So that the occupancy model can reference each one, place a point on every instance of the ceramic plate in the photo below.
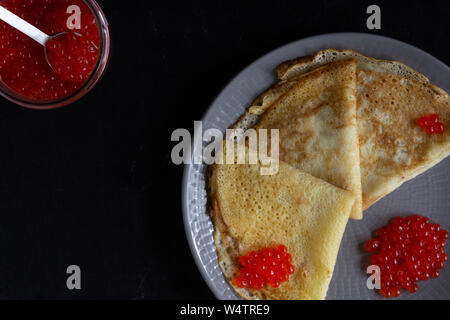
(428, 194)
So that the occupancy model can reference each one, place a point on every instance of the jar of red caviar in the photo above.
(26, 78)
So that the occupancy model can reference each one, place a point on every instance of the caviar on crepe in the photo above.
(270, 266)
(407, 250)
(431, 124)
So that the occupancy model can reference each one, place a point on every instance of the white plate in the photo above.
(427, 194)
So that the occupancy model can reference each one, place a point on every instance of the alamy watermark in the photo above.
(74, 21)
(374, 280)
(74, 280)
(241, 147)
(374, 20)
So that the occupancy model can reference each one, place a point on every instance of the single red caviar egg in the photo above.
(270, 266)
(431, 124)
(407, 250)
(23, 66)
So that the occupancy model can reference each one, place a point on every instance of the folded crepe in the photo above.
(316, 118)
(251, 211)
(391, 97)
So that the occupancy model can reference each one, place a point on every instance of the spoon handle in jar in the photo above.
(23, 26)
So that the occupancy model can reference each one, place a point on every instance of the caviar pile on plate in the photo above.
(407, 250)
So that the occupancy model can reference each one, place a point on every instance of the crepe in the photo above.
(391, 97)
(316, 118)
(251, 211)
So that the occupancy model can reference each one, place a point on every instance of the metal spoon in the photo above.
(30, 30)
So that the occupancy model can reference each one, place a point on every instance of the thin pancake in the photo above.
(391, 97)
(251, 211)
(316, 118)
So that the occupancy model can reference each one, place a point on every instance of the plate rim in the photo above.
(187, 167)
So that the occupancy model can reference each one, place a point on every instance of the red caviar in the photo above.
(431, 124)
(407, 250)
(23, 66)
(72, 58)
(270, 266)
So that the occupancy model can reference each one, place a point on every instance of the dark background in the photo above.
(92, 184)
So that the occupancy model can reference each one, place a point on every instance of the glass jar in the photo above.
(96, 75)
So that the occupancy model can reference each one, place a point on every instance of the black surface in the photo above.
(92, 183)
